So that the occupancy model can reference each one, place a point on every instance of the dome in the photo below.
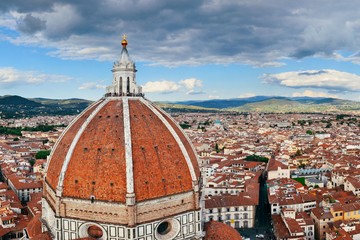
(123, 169)
(119, 146)
(220, 231)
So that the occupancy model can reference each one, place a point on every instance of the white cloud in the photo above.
(260, 33)
(309, 93)
(10, 77)
(91, 85)
(161, 87)
(326, 79)
(191, 83)
(247, 95)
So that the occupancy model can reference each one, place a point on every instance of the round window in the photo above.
(164, 228)
(167, 229)
(95, 232)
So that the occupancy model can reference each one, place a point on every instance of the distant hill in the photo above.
(224, 103)
(170, 107)
(19, 107)
(279, 104)
(17, 101)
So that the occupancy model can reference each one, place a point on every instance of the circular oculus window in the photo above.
(95, 232)
(167, 229)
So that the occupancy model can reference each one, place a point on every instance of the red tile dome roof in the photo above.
(122, 144)
(220, 231)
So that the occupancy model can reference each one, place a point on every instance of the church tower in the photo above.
(123, 169)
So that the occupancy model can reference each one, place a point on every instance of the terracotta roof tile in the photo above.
(159, 165)
(99, 152)
(160, 168)
(57, 157)
(220, 231)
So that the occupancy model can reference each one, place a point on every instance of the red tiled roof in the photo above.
(220, 231)
(34, 226)
(319, 213)
(4, 231)
(21, 183)
(42, 236)
(230, 201)
(159, 165)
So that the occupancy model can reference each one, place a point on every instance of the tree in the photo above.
(309, 132)
(32, 162)
(42, 154)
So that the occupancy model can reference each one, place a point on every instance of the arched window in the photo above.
(121, 87)
(128, 85)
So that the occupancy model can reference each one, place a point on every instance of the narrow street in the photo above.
(262, 217)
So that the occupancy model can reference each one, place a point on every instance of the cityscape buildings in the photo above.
(124, 169)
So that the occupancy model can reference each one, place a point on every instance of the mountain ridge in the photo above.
(13, 106)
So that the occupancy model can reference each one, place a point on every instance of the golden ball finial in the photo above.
(124, 42)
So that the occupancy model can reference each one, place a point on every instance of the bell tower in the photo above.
(124, 75)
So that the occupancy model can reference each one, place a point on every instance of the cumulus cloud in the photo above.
(161, 87)
(191, 85)
(10, 77)
(91, 86)
(326, 79)
(260, 33)
(309, 93)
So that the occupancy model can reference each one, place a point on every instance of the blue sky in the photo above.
(184, 50)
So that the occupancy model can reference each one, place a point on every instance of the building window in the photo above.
(246, 224)
(210, 211)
